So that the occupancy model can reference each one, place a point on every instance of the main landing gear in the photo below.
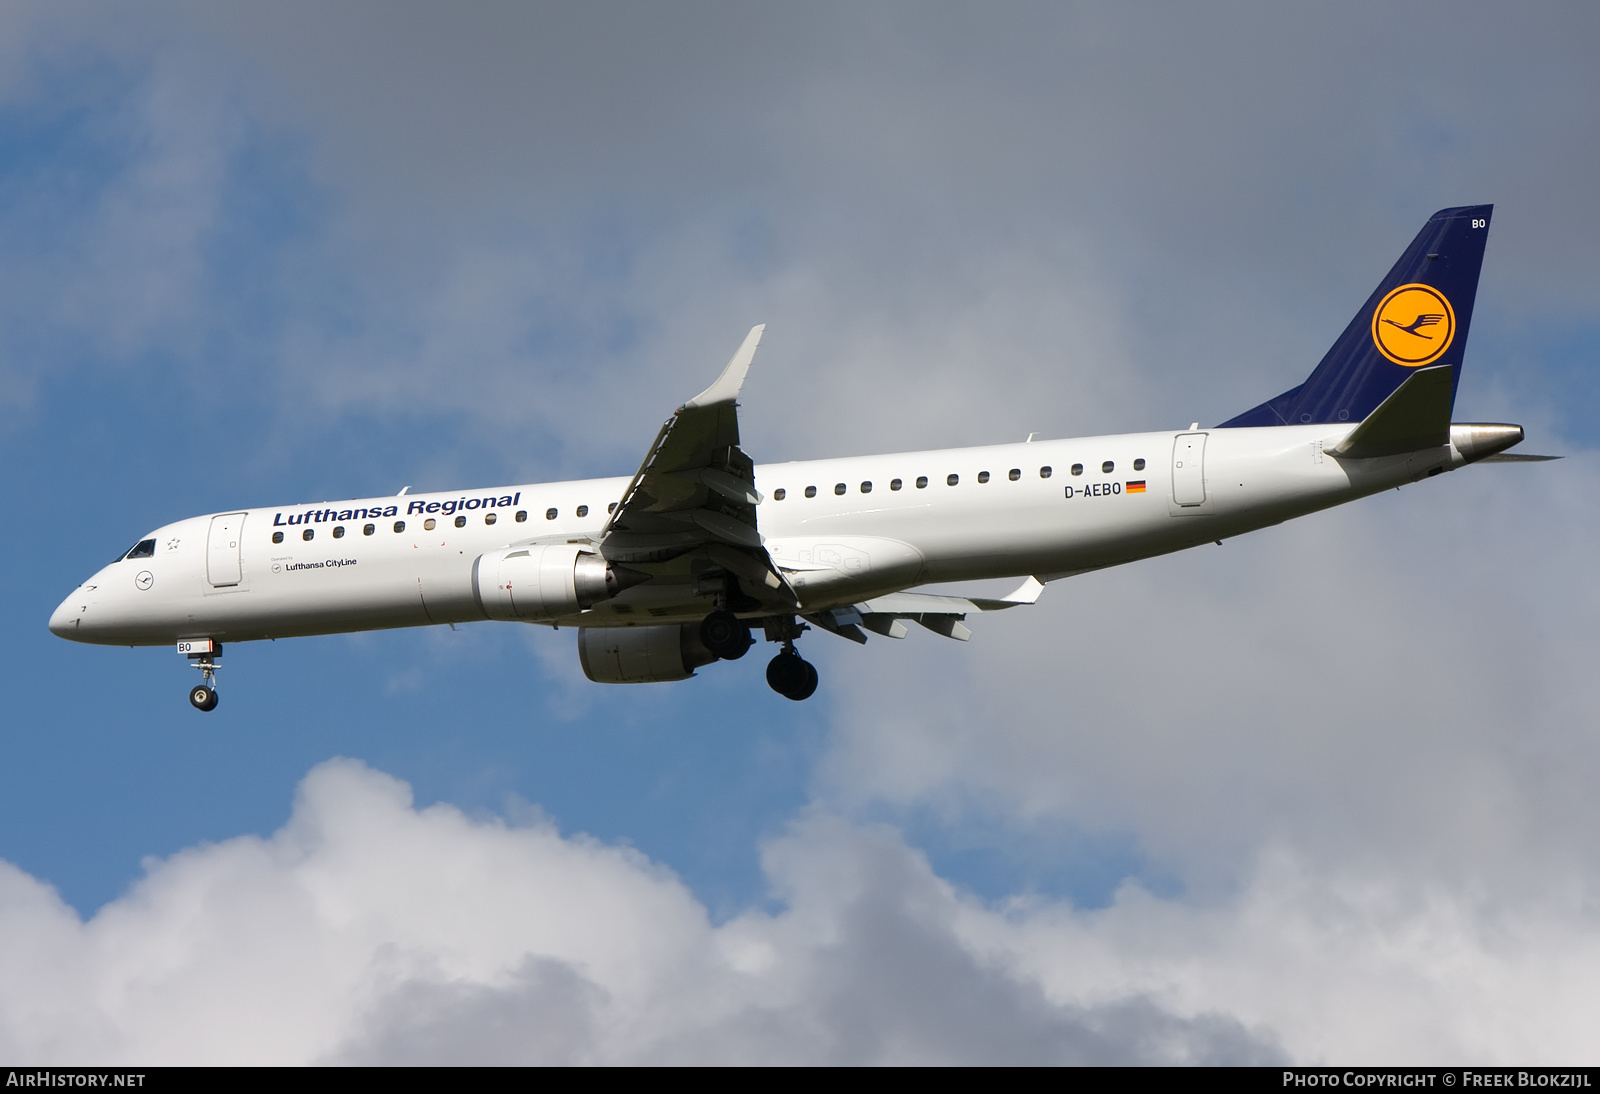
(203, 696)
(789, 674)
(728, 637)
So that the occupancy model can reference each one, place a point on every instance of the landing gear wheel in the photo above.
(792, 676)
(725, 635)
(202, 697)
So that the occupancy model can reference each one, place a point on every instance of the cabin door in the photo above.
(1189, 469)
(222, 549)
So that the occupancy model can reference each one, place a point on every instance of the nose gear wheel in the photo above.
(203, 696)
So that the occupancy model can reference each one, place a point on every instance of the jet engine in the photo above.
(534, 583)
(642, 655)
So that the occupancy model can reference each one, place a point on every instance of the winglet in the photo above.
(726, 387)
(1026, 593)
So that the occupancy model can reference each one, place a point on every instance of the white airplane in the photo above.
(673, 568)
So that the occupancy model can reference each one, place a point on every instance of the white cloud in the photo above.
(370, 931)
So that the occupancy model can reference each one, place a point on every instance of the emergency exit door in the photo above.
(222, 549)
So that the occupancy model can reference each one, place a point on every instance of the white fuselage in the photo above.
(409, 560)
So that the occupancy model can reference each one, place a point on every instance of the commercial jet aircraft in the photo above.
(673, 568)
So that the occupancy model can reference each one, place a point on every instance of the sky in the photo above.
(1323, 794)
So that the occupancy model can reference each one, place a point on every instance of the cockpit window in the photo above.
(145, 548)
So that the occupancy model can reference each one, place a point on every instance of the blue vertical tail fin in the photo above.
(1418, 316)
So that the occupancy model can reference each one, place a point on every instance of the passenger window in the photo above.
(1107, 467)
(894, 484)
(866, 488)
(922, 482)
(461, 521)
(1138, 465)
(1014, 474)
(429, 525)
(308, 533)
(612, 508)
(549, 514)
(145, 548)
(582, 511)
(399, 526)
(1077, 469)
(368, 529)
(522, 515)
(952, 480)
(338, 533)
(983, 476)
(779, 494)
(1046, 471)
(490, 518)
(838, 488)
(277, 537)
(811, 491)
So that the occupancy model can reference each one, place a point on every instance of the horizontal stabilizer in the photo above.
(1517, 457)
(1415, 417)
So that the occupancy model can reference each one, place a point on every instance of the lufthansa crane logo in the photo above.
(1413, 325)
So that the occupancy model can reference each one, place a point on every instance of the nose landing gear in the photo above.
(203, 656)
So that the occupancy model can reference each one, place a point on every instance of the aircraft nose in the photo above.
(64, 621)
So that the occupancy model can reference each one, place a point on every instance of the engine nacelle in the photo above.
(533, 583)
(642, 655)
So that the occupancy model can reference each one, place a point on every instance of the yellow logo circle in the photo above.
(1413, 325)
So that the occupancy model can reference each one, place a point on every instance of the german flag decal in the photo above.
(1136, 487)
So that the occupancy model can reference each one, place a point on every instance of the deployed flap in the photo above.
(844, 622)
(913, 604)
(696, 486)
(940, 614)
(948, 625)
(1415, 417)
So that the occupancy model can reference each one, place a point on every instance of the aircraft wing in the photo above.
(696, 489)
(940, 614)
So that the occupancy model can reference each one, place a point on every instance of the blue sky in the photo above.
(274, 255)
